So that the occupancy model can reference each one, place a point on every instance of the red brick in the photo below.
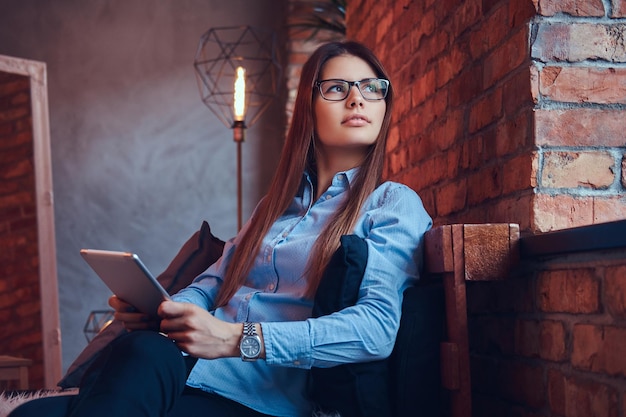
(466, 16)
(615, 290)
(487, 110)
(491, 32)
(592, 170)
(451, 197)
(517, 92)
(515, 135)
(584, 85)
(467, 86)
(577, 42)
(14, 113)
(383, 26)
(485, 184)
(580, 127)
(450, 161)
(575, 397)
(432, 46)
(520, 12)
(451, 64)
(512, 209)
(423, 87)
(506, 58)
(527, 338)
(13, 83)
(424, 26)
(472, 154)
(608, 208)
(518, 174)
(552, 344)
(568, 291)
(599, 349)
(618, 10)
(572, 7)
(555, 212)
(449, 130)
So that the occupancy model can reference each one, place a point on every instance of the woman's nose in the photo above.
(355, 98)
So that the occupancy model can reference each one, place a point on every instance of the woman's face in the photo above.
(352, 124)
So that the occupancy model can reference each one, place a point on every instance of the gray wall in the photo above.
(138, 160)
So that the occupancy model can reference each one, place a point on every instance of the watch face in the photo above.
(250, 346)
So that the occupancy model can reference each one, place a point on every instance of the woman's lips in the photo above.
(355, 120)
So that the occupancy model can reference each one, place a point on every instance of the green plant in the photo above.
(317, 16)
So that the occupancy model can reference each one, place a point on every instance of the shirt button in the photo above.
(249, 296)
(271, 287)
(328, 197)
(297, 363)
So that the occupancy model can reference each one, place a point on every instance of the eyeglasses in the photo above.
(336, 90)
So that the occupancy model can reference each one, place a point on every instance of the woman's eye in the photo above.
(336, 88)
(371, 87)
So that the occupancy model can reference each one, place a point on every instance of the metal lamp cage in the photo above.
(220, 51)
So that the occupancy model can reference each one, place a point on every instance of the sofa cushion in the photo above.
(408, 382)
(200, 251)
(414, 364)
(353, 389)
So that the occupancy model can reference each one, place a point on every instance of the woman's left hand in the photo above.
(197, 332)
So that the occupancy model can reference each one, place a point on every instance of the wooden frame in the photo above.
(36, 72)
(460, 253)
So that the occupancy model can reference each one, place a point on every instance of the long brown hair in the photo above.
(297, 156)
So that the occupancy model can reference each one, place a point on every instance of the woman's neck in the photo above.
(328, 167)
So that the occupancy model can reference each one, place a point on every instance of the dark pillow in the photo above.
(354, 389)
(414, 365)
(408, 382)
(196, 255)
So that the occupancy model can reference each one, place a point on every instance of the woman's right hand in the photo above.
(133, 319)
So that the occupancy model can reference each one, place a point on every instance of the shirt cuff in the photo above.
(287, 344)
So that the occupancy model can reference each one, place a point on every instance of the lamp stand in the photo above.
(239, 127)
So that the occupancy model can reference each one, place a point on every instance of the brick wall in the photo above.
(20, 306)
(579, 86)
(508, 111)
(550, 341)
(515, 111)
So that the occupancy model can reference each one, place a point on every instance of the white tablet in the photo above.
(128, 278)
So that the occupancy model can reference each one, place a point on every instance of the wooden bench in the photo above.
(458, 253)
(15, 369)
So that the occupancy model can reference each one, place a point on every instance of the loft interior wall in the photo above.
(138, 160)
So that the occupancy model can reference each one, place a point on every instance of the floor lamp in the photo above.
(239, 74)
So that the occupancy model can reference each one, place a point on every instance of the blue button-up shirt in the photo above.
(393, 223)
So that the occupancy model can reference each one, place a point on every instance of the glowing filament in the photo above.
(240, 94)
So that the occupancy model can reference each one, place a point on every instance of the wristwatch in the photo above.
(250, 345)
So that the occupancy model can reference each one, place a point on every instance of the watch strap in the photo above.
(249, 329)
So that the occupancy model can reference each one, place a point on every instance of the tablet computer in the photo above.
(128, 278)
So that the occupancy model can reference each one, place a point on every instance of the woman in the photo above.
(327, 184)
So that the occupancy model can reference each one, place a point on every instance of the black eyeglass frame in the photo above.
(318, 84)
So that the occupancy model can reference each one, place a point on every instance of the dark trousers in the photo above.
(140, 374)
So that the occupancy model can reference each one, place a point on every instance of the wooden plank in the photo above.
(438, 250)
(490, 250)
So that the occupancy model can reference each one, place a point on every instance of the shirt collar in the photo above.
(350, 175)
